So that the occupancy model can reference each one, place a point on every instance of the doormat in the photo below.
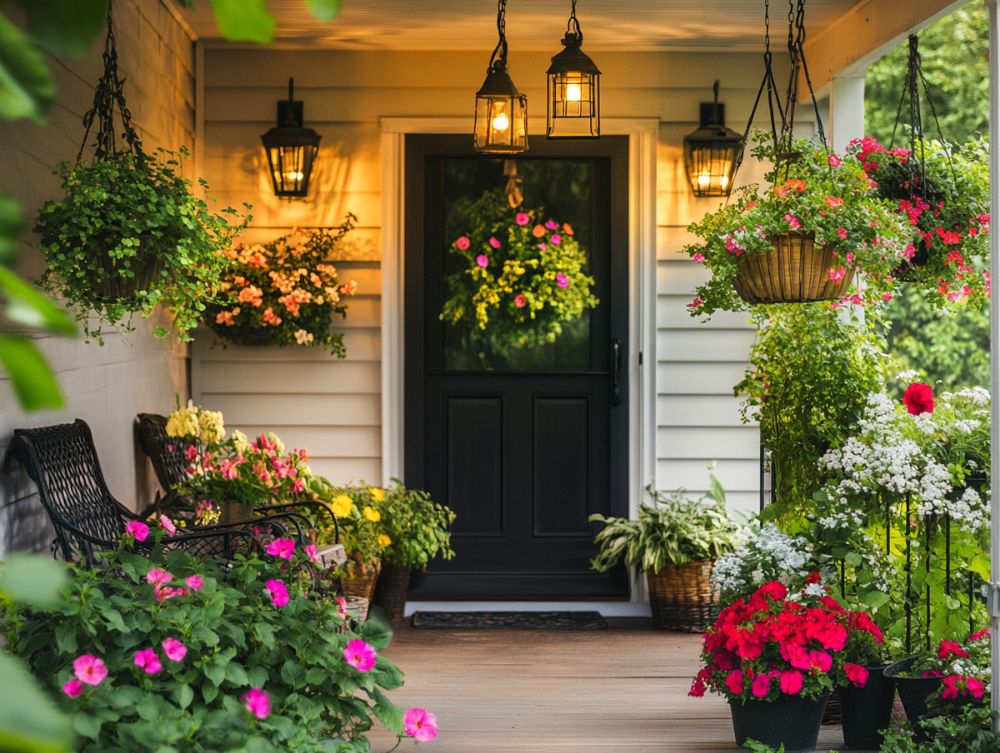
(509, 621)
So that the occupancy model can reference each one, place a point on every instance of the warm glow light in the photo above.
(501, 122)
(704, 179)
(573, 93)
(294, 175)
(723, 181)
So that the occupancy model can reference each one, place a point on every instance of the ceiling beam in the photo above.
(864, 34)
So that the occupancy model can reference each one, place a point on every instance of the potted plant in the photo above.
(519, 277)
(866, 703)
(675, 540)
(777, 656)
(958, 670)
(417, 529)
(284, 292)
(129, 234)
(800, 240)
(942, 192)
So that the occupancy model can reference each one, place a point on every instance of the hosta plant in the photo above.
(131, 234)
(179, 653)
(821, 193)
(670, 529)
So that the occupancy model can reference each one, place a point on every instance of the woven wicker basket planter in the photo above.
(795, 271)
(362, 585)
(682, 598)
(390, 594)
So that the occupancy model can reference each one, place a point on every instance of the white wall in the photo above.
(106, 386)
(332, 406)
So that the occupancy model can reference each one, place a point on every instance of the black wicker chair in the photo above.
(62, 461)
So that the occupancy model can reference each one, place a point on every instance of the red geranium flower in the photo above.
(919, 398)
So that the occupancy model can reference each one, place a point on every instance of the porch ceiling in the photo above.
(531, 24)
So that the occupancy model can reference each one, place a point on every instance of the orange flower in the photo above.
(271, 318)
(538, 231)
(251, 295)
(567, 228)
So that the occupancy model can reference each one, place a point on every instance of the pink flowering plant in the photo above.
(201, 655)
(775, 643)
(517, 276)
(284, 292)
(821, 194)
(942, 192)
(964, 668)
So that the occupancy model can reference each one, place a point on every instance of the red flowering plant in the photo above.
(777, 643)
(942, 192)
(964, 668)
(822, 194)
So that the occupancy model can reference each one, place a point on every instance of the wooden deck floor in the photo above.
(562, 692)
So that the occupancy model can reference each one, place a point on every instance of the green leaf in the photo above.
(26, 86)
(26, 305)
(244, 20)
(33, 382)
(183, 696)
(325, 10)
(65, 27)
(28, 720)
(33, 580)
(388, 713)
(87, 726)
(11, 224)
(236, 675)
(216, 673)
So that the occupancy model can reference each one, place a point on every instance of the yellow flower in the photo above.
(378, 493)
(342, 506)
(372, 514)
(383, 540)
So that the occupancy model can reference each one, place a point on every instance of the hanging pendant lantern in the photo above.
(574, 89)
(711, 152)
(501, 125)
(291, 148)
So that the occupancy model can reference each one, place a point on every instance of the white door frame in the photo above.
(643, 135)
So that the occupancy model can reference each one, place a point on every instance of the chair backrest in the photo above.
(62, 461)
(164, 452)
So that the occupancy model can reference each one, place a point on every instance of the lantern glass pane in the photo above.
(710, 165)
(501, 124)
(291, 166)
(574, 105)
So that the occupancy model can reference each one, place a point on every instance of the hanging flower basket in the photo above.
(795, 271)
(802, 239)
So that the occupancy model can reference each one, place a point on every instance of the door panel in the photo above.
(522, 444)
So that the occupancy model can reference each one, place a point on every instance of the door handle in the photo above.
(616, 371)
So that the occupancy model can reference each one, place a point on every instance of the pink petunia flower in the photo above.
(556, 239)
(173, 649)
(842, 233)
(137, 530)
(562, 280)
(761, 686)
(278, 592)
(73, 688)
(793, 221)
(168, 525)
(834, 160)
(790, 682)
(147, 660)
(311, 552)
(158, 577)
(281, 548)
(89, 669)
(552, 225)
(360, 655)
(543, 246)
(194, 582)
(342, 608)
(483, 260)
(420, 724)
(494, 243)
(522, 218)
(258, 702)
(520, 301)
(462, 243)
(699, 257)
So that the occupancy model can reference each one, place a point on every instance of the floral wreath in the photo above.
(522, 278)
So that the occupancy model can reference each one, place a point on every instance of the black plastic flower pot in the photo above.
(866, 712)
(913, 691)
(791, 721)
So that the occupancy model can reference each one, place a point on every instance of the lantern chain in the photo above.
(109, 94)
(573, 24)
(499, 56)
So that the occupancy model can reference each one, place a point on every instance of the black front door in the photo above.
(523, 444)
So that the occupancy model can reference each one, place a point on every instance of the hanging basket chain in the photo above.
(109, 94)
(767, 84)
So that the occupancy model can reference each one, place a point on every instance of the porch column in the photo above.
(994, 591)
(847, 108)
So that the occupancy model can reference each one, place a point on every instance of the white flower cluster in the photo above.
(767, 554)
(881, 459)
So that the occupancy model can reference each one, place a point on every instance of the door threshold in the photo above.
(605, 608)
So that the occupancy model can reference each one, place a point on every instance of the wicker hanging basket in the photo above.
(794, 271)
(682, 598)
